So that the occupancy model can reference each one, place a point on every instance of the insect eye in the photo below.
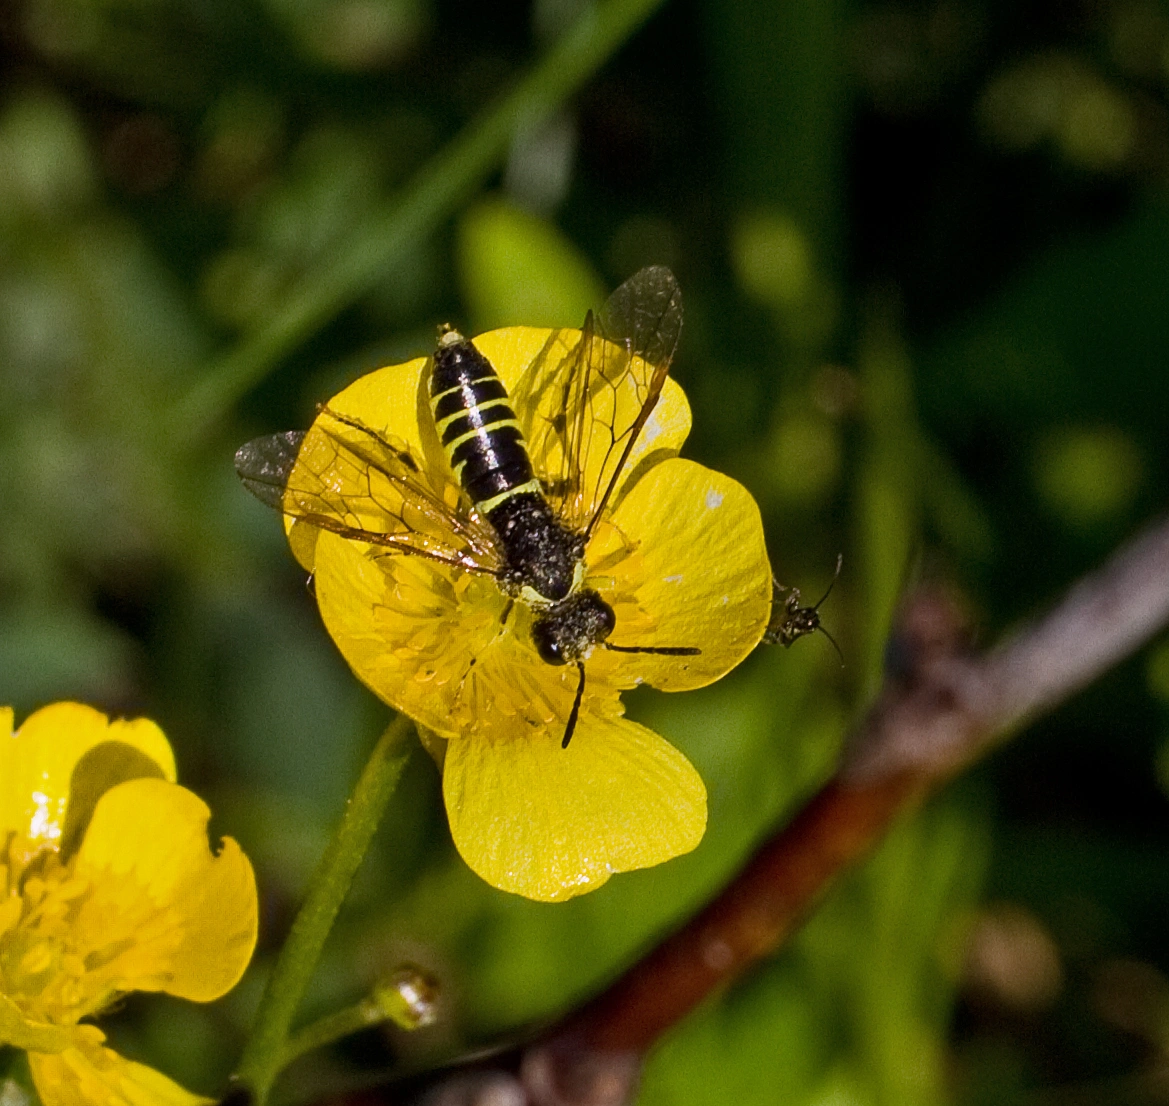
(546, 644)
(607, 618)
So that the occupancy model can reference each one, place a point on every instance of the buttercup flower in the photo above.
(678, 554)
(109, 886)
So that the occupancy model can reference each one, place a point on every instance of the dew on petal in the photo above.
(713, 499)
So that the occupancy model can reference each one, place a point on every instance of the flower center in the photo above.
(39, 898)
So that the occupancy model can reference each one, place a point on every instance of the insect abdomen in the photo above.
(477, 426)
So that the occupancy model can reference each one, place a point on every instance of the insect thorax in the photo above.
(541, 554)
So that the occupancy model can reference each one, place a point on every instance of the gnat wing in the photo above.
(593, 402)
(346, 477)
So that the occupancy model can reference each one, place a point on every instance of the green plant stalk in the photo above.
(408, 999)
(433, 194)
(332, 1027)
(264, 1052)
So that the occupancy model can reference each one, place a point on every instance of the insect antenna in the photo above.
(834, 645)
(831, 583)
(572, 714)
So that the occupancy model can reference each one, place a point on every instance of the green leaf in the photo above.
(516, 268)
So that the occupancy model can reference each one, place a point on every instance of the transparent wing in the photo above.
(343, 476)
(645, 314)
(593, 398)
(555, 385)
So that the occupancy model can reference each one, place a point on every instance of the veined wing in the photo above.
(593, 402)
(343, 476)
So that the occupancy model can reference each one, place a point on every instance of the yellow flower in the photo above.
(678, 555)
(108, 886)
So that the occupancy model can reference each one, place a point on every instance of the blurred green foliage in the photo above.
(925, 251)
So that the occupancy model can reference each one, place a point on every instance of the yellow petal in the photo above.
(387, 616)
(57, 752)
(90, 1074)
(302, 539)
(550, 823)
(535, 363)
(705, 579)
(514, 350)
(448, 649)
(21, 1032)
(164, 913)
(391, 399)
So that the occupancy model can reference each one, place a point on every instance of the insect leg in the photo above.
(657, 650)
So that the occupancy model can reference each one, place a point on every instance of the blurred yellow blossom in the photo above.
(109, 886)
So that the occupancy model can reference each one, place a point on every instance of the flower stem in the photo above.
(332, 1027)
(444, 182)
(264, 1053)
(408, 1000)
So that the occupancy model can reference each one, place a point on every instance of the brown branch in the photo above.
(940, 710)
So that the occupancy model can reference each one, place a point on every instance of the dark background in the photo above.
(925, 254)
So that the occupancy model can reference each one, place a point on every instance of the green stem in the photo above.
(408, 1000)
(333, 1027)
(264, 1052)
(433, 194)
